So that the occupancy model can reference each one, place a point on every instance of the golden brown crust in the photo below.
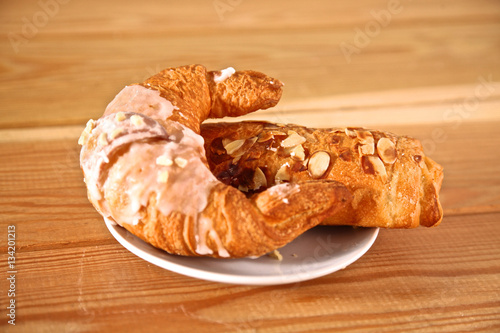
(195, 94)
(394, 185)
(137, 163)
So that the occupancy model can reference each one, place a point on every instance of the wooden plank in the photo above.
(163, 17)
(43, 194)
(440, 106)
(410, 279)
(74, 81)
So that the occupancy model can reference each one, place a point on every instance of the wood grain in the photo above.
(432, 72)
(408, 281)
(81, 52)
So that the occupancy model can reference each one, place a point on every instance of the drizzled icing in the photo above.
(204, 231)
(142, 100)
(132, 154)
(96, 151)
(224, 74)
(185, 189)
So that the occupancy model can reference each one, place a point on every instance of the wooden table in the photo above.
(429, 69)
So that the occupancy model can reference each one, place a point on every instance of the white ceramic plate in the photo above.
(317, 252)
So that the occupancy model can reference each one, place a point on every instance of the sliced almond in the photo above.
(102, 139)
(319, 164)
(250, 142)
(259, 179)
(238, 153)
(231, 146)
(162, 176)
(181, 162)
(237, 158)
(89, 126)
(294, 139)
(120, 116)
(298, 153)
(243, 188)
(265, 137)
(366, 149)
(372, 165)
(86, 132)
(364, 137)
(164, 160)
(387, 150)
(283, 174)
(116, 132)
(137, 120)
(83, 139)
(350, 132)
(336, 130)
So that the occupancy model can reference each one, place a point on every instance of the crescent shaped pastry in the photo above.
(145, 168)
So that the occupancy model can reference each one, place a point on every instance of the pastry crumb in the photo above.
(275, 255)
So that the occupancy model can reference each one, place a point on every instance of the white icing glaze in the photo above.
(142, 100)
(224, 74)
(204, 231)
(185, 190)
(131, 157)
(95, 157)
(283, 190)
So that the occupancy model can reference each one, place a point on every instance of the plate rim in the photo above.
(236, 278)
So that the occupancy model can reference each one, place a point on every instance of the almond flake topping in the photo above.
(115, 133)
(387, 150)
(137, 120)
(265, 136)
(102, 140)
(120, 116)
(293, 140)
(366, 149)
(319, 163)
(163, 176)
(89, 126)
(164, 160)
(243, 188)
(232, 146)
(298, 153)
(259, 179)
(349, 132)
(283, 174)
(181, 162)
(374, 166)
(365, 137)
(86, 132)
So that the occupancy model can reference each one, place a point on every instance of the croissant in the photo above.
(393, 183)
(145, 168)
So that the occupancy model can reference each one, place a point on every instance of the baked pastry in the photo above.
(393, 183)
(145, 168)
